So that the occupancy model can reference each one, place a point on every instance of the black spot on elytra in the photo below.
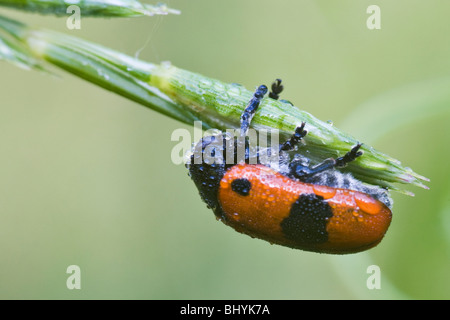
(307, 221)
(241, 186)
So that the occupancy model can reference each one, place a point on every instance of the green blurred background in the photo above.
(86, 176)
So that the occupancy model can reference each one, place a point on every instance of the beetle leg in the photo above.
(277, 88)
(299, 133)
(300, 171)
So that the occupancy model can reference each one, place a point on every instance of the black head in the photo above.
(207, 167)
(211, 158)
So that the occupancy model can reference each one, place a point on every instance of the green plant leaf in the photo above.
(91, 8)
(187, 96)
(14, 52)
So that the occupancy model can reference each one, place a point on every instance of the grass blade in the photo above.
(92, 8)
(188, 96)
(13, 51)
